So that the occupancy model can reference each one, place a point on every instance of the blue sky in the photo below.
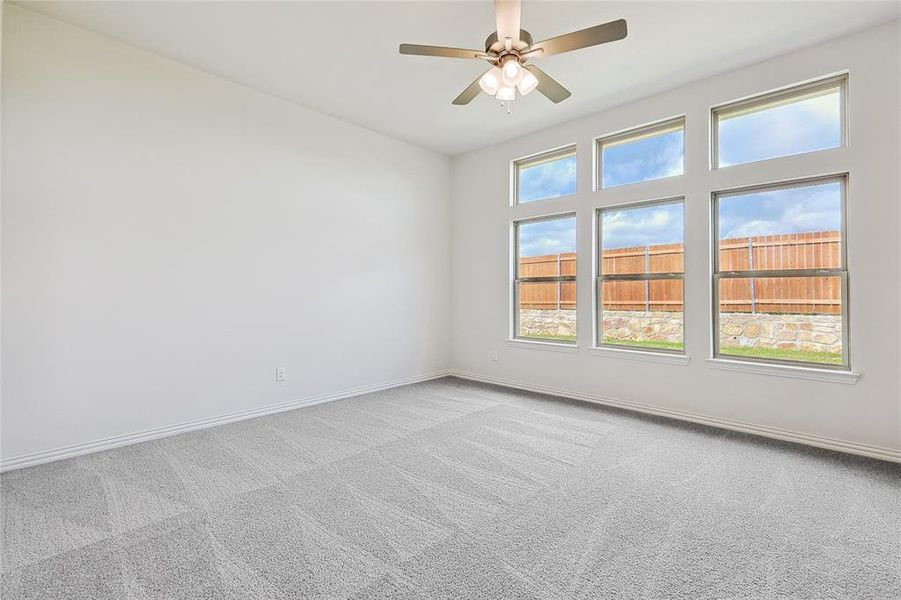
(648, 158)
(547, 237)
(812, 124)
(548, 180)
(794, 210)
(806, 126)
(643, 226)
(771, 212)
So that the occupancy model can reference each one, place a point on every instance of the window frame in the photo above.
(600, 277)
(784, 95)
(646, 130)
(516, 279)
(842, 272)
(532, 160)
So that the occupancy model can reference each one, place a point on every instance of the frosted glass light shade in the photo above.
(528, 83)
(491, 81)
(506, 93)
(511, 73)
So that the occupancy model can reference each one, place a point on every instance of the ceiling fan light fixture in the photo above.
(511, 72)
(506, 93)
(528, 82)
(491, 81)
(510, 47)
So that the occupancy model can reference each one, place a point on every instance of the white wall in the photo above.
(866, 413)
(169, 238)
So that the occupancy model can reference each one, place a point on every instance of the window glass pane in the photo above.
(548, 265)
(645, 314)
(788, 228)
(645, 239)
(547, 310)
(645, 156)
(782, 318)
(780, 127)
(547, 178)
(547, 239)
(637, 241)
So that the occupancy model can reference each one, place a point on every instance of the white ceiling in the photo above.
(341, 58)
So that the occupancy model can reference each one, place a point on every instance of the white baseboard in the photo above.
(879, 452)
(37, 458)
(29, 460)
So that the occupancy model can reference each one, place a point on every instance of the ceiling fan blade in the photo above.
(599, 34)
(507, 13)
(548, 86)
(467, 95)
(440, 51)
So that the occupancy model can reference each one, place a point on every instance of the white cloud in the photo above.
(643, 226)
(796, 210)
(659, 157)
(805, 126)
(547, 237)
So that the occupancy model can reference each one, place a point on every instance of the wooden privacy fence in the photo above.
(559, 295)
(656, 295)
(798, 295)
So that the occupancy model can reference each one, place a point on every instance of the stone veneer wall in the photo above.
(547, 322)
(641, 326)
(818, 333)
(821, 333)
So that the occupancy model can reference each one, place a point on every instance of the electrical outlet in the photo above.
(494, 355)
(281, 374)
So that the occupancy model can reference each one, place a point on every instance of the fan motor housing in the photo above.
(493, 44)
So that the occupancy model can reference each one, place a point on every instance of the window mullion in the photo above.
(641, 276)
(781, 273)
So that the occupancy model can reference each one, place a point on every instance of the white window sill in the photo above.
(643, 355)
(809, 373)
(537, 345)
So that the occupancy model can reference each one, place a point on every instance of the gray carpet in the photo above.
(450, 489)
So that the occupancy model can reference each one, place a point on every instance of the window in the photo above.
(545, 279)
(640, 276)
(803, 119)
(652, 152)
(780, 274)
(548, 175)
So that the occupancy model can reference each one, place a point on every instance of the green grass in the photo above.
(652, 344)
(549, 337)
(831, 358)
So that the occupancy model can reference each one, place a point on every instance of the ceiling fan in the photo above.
(510, 48)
